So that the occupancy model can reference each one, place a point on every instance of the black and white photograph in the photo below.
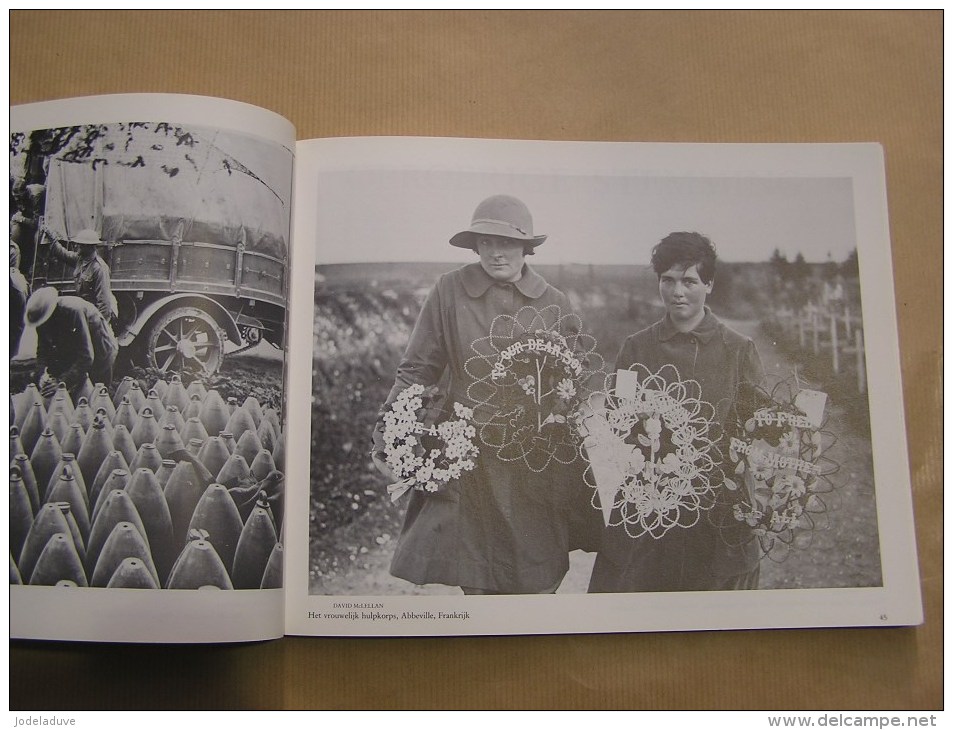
(148, 298)
(580, 383)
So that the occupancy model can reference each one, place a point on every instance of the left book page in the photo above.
(149, 262)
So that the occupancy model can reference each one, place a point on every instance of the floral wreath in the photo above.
(776, 471)
(529, 382)
(651, 460)
(426, 457)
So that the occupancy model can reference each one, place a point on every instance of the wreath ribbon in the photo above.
(398, 489)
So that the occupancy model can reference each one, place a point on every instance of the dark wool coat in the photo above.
(501, 527)
(696, 558)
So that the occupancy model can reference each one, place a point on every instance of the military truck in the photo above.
(198, 254)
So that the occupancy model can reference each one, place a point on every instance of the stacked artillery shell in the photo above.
(125, 414)
(65, 487)
(274, 570)
(182, 493)
(255, 545)
(132, 573)
(117, 507)
(165, 486)
(146, 495)
(33, 425)
(73, 442)
(122, 441)
(58, 561)
(164, 472)
(16, 445)
(124, 541)
(83, 414)
(22, 463)
(44, 457)
(217, 515)
(199, 565)
(21, 511)
(147, 457)
(114, 460)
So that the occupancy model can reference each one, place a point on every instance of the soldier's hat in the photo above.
(40, 305)
(87, 237)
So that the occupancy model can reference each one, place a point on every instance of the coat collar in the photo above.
(705, 330)
(476, 282)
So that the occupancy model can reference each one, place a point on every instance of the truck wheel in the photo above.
(185, 340)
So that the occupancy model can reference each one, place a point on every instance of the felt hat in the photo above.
(499, 215)
(40, 305)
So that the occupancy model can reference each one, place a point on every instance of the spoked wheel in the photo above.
(185, 340)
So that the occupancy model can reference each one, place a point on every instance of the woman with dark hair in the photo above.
(725, 364)
(500, 527)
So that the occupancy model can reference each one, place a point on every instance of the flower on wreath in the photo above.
(462, 411)
(653, 428)
(636, 460)
(671, 463)
(761, 471)
(684, 436)
(759, 460)
(565, 389)
(752, 517)
(791, 485)
(407, 443)
(789, 442)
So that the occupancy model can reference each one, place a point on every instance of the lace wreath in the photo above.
(651, 461)
(426, 457)
(777, 470)
(529, 382)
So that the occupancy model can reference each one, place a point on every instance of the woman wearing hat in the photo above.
(90, 272)
(500, 528)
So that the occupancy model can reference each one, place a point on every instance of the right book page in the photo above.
(561, 387)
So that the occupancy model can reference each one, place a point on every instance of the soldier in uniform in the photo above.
(73, 341)
(90, 272)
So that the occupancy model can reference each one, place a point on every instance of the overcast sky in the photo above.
(388, 215)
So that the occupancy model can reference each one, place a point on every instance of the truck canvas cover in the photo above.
(163, 183)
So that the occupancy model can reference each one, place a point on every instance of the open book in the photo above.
(403, 386)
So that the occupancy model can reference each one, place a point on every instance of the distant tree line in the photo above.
(797, 282)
